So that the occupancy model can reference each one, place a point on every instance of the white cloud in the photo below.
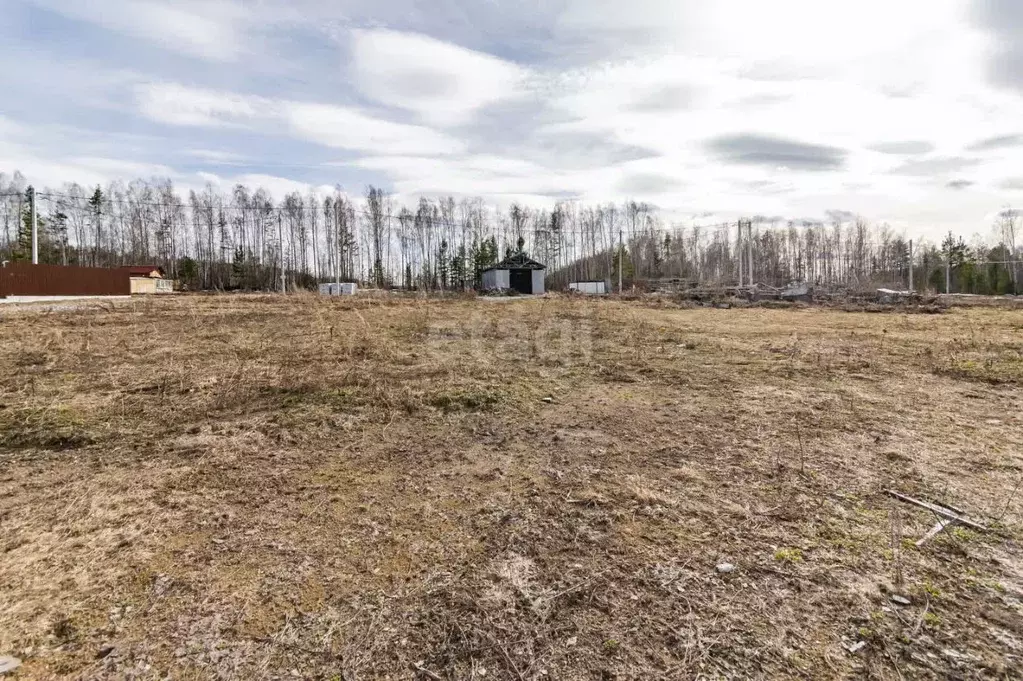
(43, 167)
(507, 179)
(211, 29)
(464, 175)
(801, 30)
(279, 186)
(347, 128)
(123, 168)
(216, 156)
(441, 82)
(180, 105)
(339, 127)
(209, 178)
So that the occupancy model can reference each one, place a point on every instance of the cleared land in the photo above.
(258, 487)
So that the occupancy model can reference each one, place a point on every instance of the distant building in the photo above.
(343, 289)
(148, 279)
(518, 273)
(592, 288)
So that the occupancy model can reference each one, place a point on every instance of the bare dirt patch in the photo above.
(263, 487)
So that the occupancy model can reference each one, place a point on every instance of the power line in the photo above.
(714, 229)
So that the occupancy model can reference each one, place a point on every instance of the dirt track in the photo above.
(254, 487)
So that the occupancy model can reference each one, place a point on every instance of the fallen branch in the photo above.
(938, 510)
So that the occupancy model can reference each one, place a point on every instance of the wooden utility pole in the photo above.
(621, 260)
(280, 242)
(948, 272)
(749, 252)
(35, 225)
(739, 245)
(911, 288)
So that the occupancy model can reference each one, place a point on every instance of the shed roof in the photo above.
(517, 261)
(143, 270)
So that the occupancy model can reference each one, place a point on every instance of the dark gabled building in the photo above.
(517, 272)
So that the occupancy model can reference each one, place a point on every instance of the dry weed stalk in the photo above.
(895, 527)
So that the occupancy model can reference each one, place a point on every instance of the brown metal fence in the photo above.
(19, 279)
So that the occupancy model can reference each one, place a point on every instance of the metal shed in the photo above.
(518, 273)
(592, 288)
(339, 289)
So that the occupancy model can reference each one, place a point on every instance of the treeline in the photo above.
(247, 239)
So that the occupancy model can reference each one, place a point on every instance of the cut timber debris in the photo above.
(933, 532)
(947, 516)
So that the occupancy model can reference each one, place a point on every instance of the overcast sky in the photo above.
(907, 111)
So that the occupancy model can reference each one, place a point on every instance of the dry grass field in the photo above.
(255, 487)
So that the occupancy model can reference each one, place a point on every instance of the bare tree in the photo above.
(375, 203)
(1008, 224)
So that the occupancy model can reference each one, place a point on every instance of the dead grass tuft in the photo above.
(472, 399)
(993, 370)
(54, 429)
(641, 491)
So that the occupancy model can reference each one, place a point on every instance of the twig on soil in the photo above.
(802, 454)
(891, 658)
(575, 587)
(920, 622)
(895, 523)
(1012, 496)
(300, 648)
(418, 668)
(511, 663)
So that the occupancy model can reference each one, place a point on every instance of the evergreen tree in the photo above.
(483, 255)
(474, 260)
(238, 268)
(628, 271)
(557, 223)
(956, 254)
(57, 240)
(375, 203)
(22, 251)
(490, 252)
(442, 263)
(458, 268)
(999, 275)
(189, 272)
(96, 209)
